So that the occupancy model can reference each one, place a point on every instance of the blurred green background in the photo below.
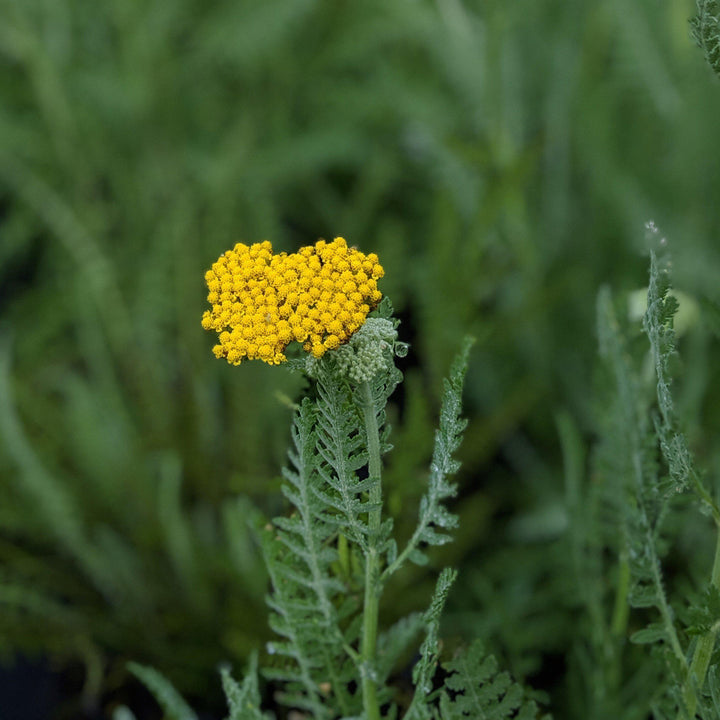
(500, 157)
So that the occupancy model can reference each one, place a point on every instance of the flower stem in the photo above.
(704, 646)
(372, 557)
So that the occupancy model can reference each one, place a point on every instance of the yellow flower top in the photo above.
(261, 302)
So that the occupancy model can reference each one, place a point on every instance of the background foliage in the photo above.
(501, 158)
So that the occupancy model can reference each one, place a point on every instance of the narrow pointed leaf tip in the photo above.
(173, 705)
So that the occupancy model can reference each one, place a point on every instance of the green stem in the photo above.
(612, 645)
(704, 646)
(706, 498)
(372, 558)
(344, 556)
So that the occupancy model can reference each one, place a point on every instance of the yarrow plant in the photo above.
(330, 559)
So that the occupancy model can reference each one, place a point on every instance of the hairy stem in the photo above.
(703, 648)
(344, 555)
(372, 557)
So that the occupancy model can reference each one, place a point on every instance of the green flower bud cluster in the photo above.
(369, 351)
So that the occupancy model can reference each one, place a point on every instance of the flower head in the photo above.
(261, 302)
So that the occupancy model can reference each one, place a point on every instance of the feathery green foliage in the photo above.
(705, 26)
(632, 558)
(300, 557)
(648, 456)
(243, 700)
(329, 560)
(336, 525)
(477, 689)
(434, 517)
(645, 500)
(426, 666)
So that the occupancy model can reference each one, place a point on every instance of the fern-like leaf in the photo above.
(424, 670)
(704, 615)
(434, 517)
(299, 555)
(630, 446)
(658, 324)
(478, 690)
(705, 29)
(243, 699)
(342, 451)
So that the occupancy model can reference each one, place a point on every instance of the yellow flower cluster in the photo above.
(262, 302)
